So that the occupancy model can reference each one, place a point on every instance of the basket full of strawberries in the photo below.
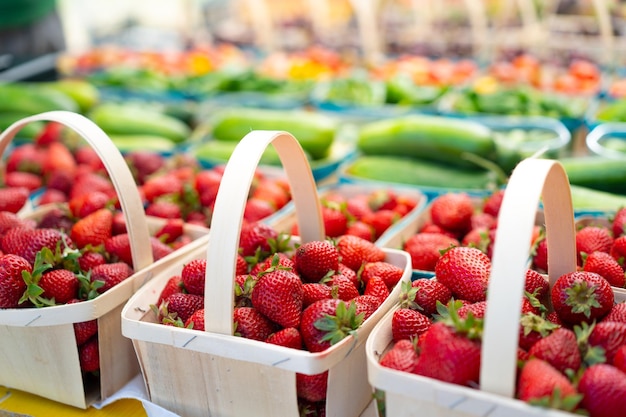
(495, 337)
(259, 329)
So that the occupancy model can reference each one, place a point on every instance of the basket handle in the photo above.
(228, 211)
(116, 167)
(531, 179)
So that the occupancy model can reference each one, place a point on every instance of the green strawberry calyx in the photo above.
(33, 291)
(582, 297)
(342, 324)
(471, 327)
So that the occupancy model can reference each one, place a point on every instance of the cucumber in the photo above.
(128, 143)
(30, 98)
(419, 172)
(596, 172)
(132, 119)
(588, 199)
(216, 151)
(85, 94)
(29, 131)
(315, 132)
(436, 138)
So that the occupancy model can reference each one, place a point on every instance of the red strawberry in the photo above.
(314, 291)
(255, 236)
(610, 335)
(402, 356)
(258, 209)
(326, 322)
(196, 320)
(581, 296)
(604, 264)
(159, 249)
(536, 284)
(342, 287)
(313, 260)
(28, 180)
(251, 324)
(477, 309)
(173, 285)
(617, 313)
(13, 199)
(182, 306)
(110, 274)
(361, 229)
(354, 251)
(619, 222)
(88, 260)
(493, 202)
(51, 132)
(170, 231)
(85, 204)
(358, 206)
(164, 209)
(27, 157)
(465, 271)
(452, 211)
(408, 324)
(539, 379)
(278, 296)
(481, 220)
(381, 220)
(590, 239)
(618, 250)
(144, 163)
(312, 387)
(27, 242)
(10, 220)
(118, 248)
(540, 255)
(85, 330)
(59, 285)
(534, 328)
(559, 349)
(12, 285)
(603, 388)
(429, 291)
(89, 183)
(390, 273)
(161, 185)
(58, 158)
(376, 286)
(279, 259)
(193, 276)
(86, 155)
(89, 355)
(335, 221)
(425, 249)
(287, 337)
(366, 304)
(93, 229)
(619, 360)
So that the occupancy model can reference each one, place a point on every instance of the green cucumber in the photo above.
(419, 172)
(436, 138)
(29, 131)
(596, 172)
(588, 199)
(85, 94)
(315, 132)
(128, 143)
(132, 119)
(215, 151)
(31, 98)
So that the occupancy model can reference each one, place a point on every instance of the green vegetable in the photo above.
(315, 132)
(133, 119)
(516, 144)
(27, 132)
(596, 172)
(435, 138)
(588, 199)
(30, 98)
(419, 172)
(220, 151)
(127, 143)
(85, 94)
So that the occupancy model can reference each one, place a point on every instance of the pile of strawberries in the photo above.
(572, 337)
(308, 297)
(367, 214)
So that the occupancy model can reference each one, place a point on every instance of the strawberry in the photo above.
(481, 238)
(559, 349)
(609, 335)
(161, 185)
(208, 181)
(85, 330)
(617, 313)
(88, 260)
(313, 260)
(358, 206)
(86, 155)
(193, 276)
(428, 293)
(402, 356)
(257, 209)
(465, 271)
(312, 387)
(12, 199)
(355, 251)
(381, 220)
(314, 291)
(288, 337)
(425, 249)
(389, 273)
(59, 285)
(590, 239)
(159, 249)
(164, 209)
(143, 163)
(361, 229)
(619, 222)
(452, 211)
(196, 320)
(110, 274)
(170, 231)
(482, 220)
(618, 250)
(326, 322)
(173, 285)
(28, 180)
(93, 229)
(603, 388)
(534, 328)
(278, 295)
(604, 264)
(251, 324)
(347, 272)
(280, 259)
(89, 355)
(492, 203)
(581, 296)
(335, 221)
(342, 286)
(50, 133)
(85, 204)
(619, 360)
(256, 236)
(366, 304)
(450, 349)
(27, 158)
(536, 284)
(408, 324)
(28, 242)
(477, 309)
(540, 254)
(539, 379)
(118, 248)
(10, 220)
(58, 158)
(376, 286)
(12, 285)
(182, 306)
(89, 183)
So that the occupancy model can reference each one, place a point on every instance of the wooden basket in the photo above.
(195, 373)
(411, 395)
(38, 352)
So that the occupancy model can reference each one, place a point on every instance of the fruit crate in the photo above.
(409, 394)
(285, 220)
(227, 370)
(38, 349)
